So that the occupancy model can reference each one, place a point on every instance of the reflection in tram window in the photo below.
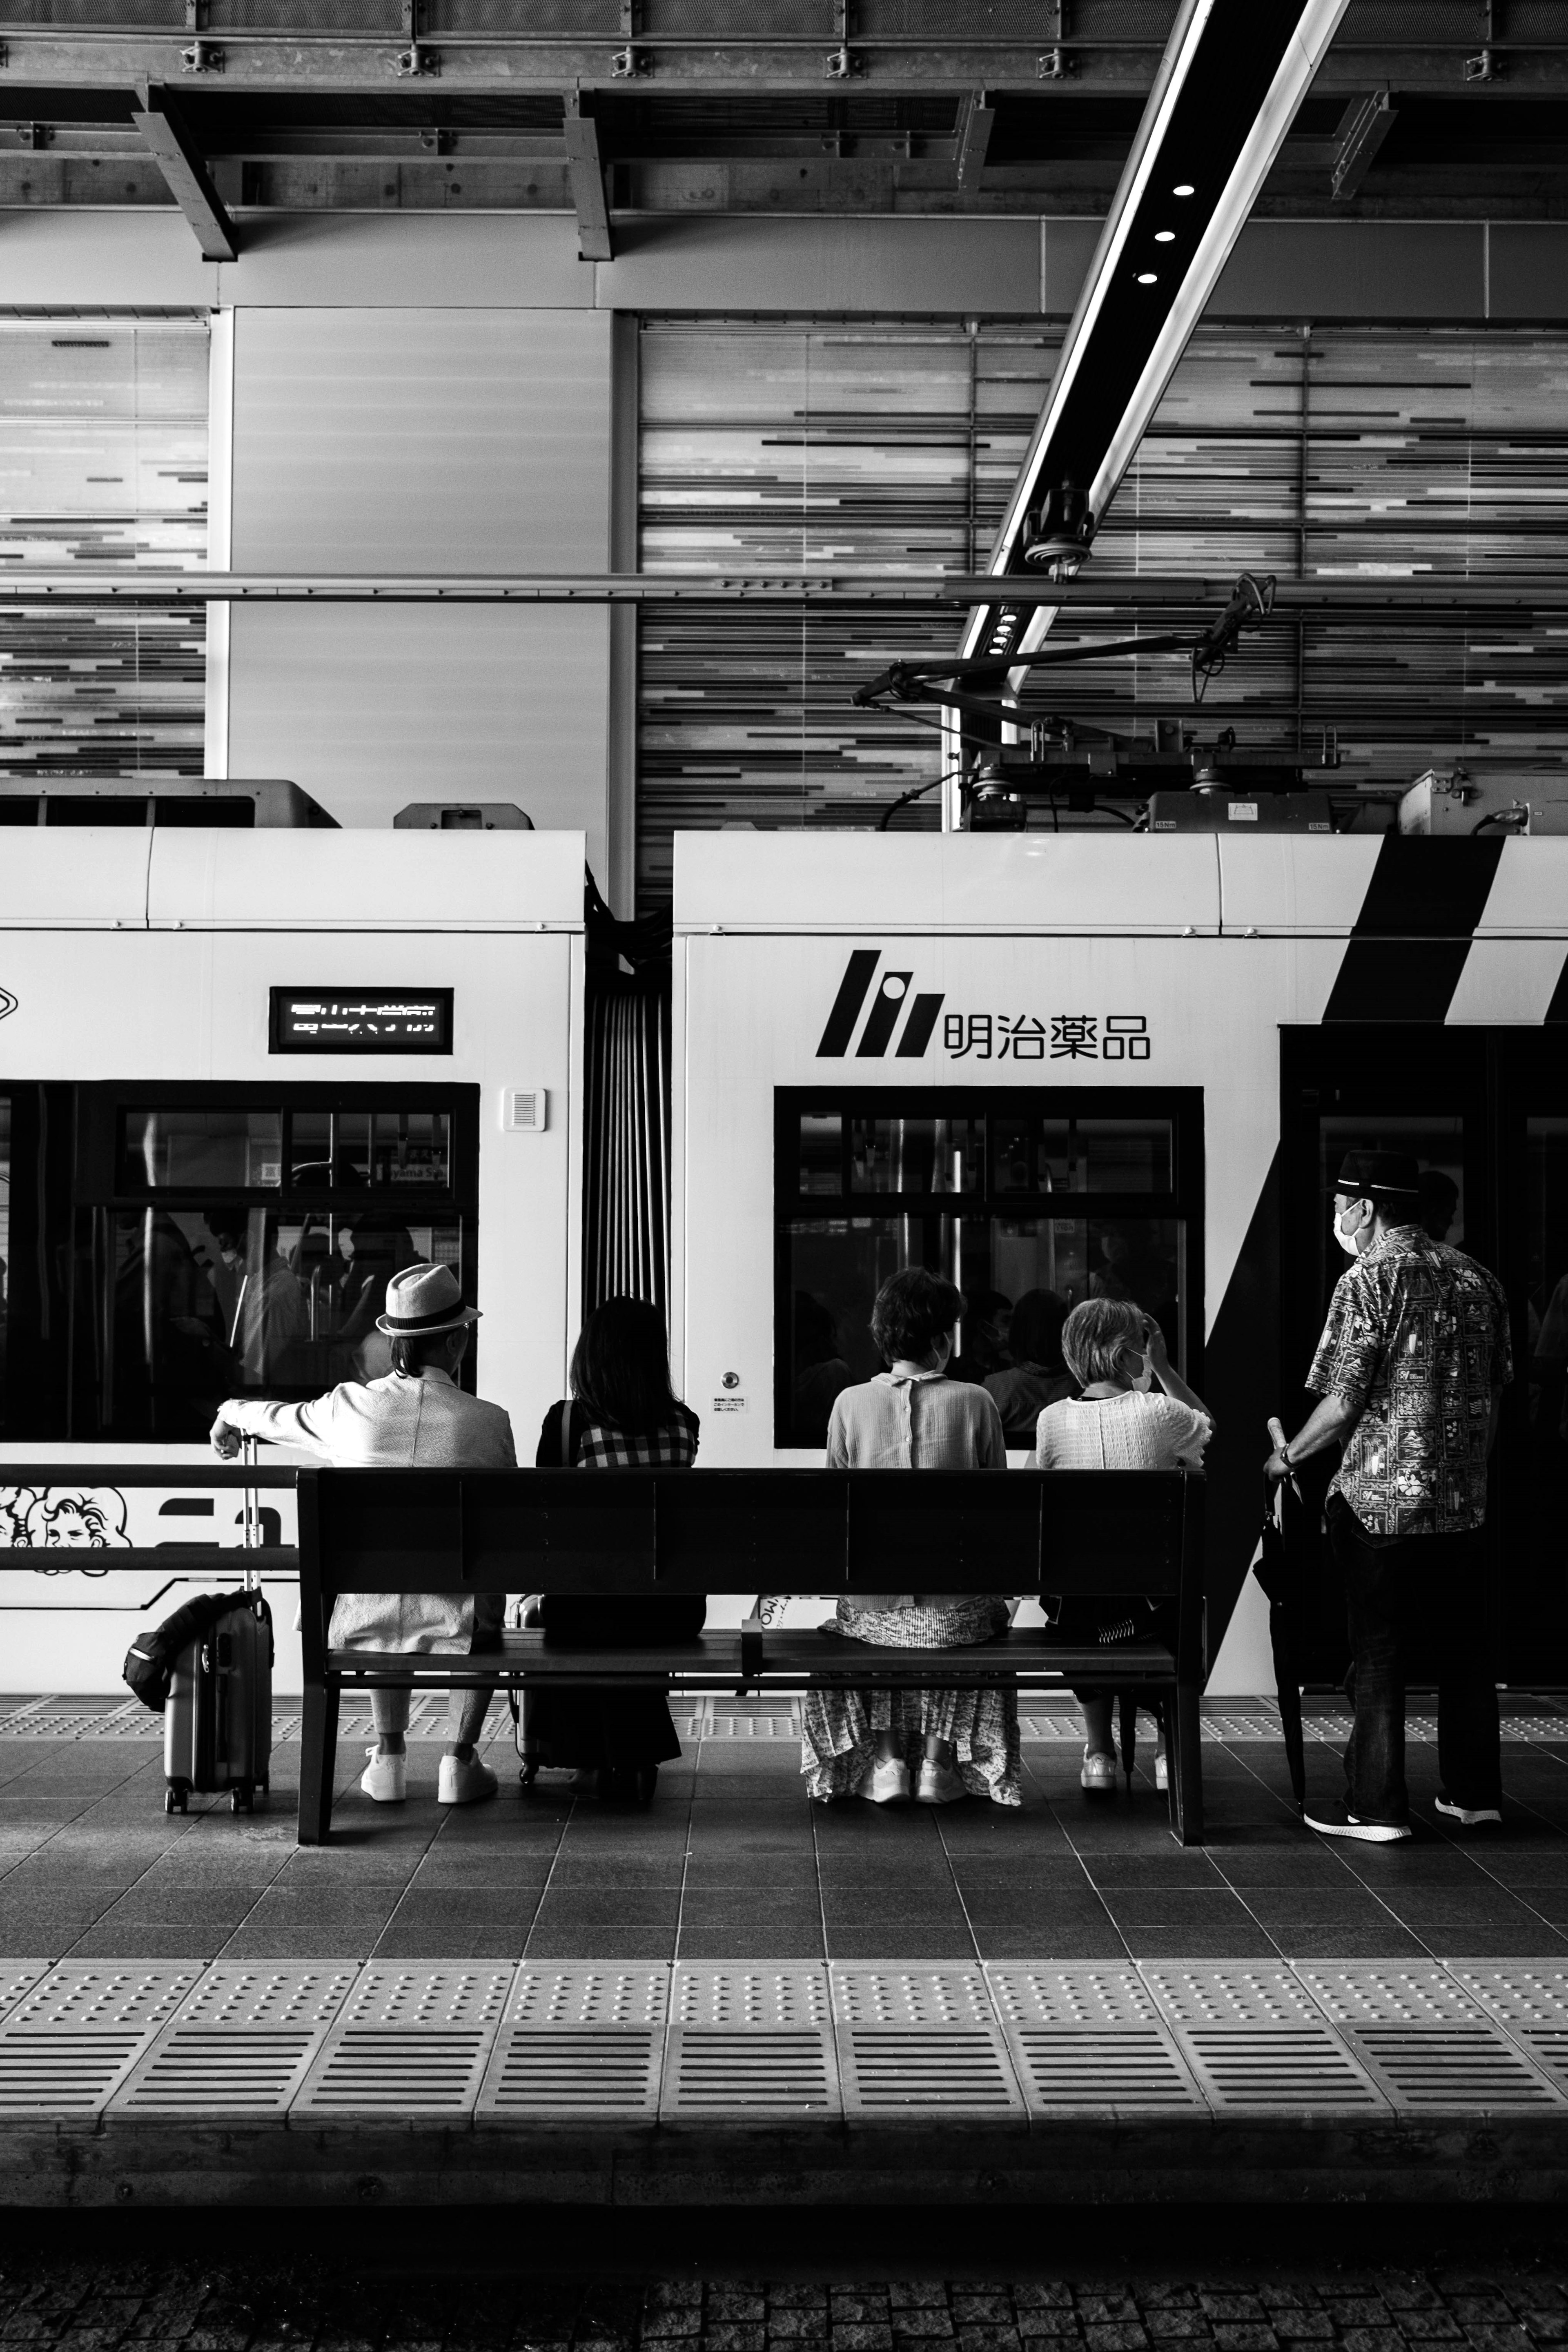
(1546, 1322)
(1081, 1155)
(972, 1188)
(192, 1150)
(917, 1155)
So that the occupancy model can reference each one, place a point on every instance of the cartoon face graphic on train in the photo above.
(63, 1519)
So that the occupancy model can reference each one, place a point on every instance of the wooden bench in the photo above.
(1076, 1533)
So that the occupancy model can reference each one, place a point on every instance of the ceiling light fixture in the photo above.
(1186, 189)
(1164, 237)
(1147, 278)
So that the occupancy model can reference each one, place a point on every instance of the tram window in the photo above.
(353, 1148)
(917, 1155)
(970, 1188)
(1082, 1155)
(1546, 1323)
(198, 1149)
(5, 1247)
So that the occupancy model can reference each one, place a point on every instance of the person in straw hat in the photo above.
(416, 1418)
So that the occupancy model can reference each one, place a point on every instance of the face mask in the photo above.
(1347, 1242)
(1144, 1378)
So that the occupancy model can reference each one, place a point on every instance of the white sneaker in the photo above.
(464, 1784)
(1470, 1817)
(1098, 1774)
(938, 1784)
(886, 1783)
(384, 1778)
(1161, 1773)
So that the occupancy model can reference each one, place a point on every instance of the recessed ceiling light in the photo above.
(1186, 189)
(1164, 237)
(1147, 278)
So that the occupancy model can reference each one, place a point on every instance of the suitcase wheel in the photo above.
(243, 1799)
(528, 1775)
(174, 1800)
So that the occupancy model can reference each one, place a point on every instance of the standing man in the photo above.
(1409, 1373)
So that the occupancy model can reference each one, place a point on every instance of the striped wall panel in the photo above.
(892, 447)
(103, 461)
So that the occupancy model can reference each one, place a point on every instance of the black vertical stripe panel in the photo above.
(1239, 1354)
(1414, 929)
(1558, 1008)
(918, 1026)
(846, 1005)
(880, 1021)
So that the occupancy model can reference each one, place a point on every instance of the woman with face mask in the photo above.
(1120, 1422)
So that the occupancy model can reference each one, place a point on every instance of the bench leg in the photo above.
(318, 1763)
(1184, 1746)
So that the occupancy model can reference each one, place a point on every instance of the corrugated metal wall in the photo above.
(890, 449)
(104, 427)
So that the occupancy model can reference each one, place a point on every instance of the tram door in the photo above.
(1485, 1114)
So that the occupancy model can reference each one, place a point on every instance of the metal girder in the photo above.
(586, 171)
(190, 182)
(1429, 596)
(976, 117)
(1360, 134)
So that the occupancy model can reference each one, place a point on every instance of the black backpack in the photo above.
(150, 1661)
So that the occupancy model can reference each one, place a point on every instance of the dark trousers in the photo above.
(1398, 1589)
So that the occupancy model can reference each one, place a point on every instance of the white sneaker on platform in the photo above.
(886, 1783)
(938, 1784)
(384, 1778)
(464, 1784)
(1098, 1777)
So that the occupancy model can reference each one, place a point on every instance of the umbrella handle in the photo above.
(1277, 1438)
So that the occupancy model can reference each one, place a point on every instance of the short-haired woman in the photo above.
(937, 1745)
(622, 1414)
(416, 1418)
(1120, 1423)
(1038, 1376)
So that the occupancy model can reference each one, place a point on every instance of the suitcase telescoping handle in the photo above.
(250, 1515)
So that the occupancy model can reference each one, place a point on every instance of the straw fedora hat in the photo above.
(423, 1301)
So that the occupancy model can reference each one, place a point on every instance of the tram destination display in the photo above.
(361, 1021)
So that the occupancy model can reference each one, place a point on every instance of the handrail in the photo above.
(143, 1474)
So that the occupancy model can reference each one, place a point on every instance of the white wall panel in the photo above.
(367, 708)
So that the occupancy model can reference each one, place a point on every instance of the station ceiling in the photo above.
(1425, 110)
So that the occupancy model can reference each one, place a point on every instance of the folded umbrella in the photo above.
(1273, 1572)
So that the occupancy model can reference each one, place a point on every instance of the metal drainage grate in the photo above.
(914, 2040)
(753, 2041)
(1529, 2003)
(1084, 2038)
(578, 2042)
(1425, 2040)
(242, 2044)
(1256, 2044)
(409, 2042)
(70, 2039)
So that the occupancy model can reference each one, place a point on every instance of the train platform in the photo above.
(737, 1999)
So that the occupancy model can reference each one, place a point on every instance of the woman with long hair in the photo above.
(622, 1414)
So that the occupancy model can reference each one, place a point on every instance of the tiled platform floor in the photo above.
(731, 1863)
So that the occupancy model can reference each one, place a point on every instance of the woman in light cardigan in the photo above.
(937, 1745)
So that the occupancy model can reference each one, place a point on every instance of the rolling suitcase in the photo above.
(217, 1724)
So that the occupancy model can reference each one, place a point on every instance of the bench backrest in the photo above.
(745, 1531)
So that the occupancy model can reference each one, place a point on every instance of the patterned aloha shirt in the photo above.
(1417, 1338)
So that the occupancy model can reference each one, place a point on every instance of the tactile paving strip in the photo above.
(914, 2040)
(1529, 2003)
(242, 2044)
(1086, 2038)
(69, 2041)
(581, 2042)
(752, 2042)
(409, 2044)
(1423, 2038)
(1257, 2044)
(16, 1977)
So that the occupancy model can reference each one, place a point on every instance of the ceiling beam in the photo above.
(180, 159)
(585, 176)
(976, 117)
(1360, 135)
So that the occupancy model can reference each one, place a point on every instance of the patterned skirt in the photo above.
(841, 1727)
